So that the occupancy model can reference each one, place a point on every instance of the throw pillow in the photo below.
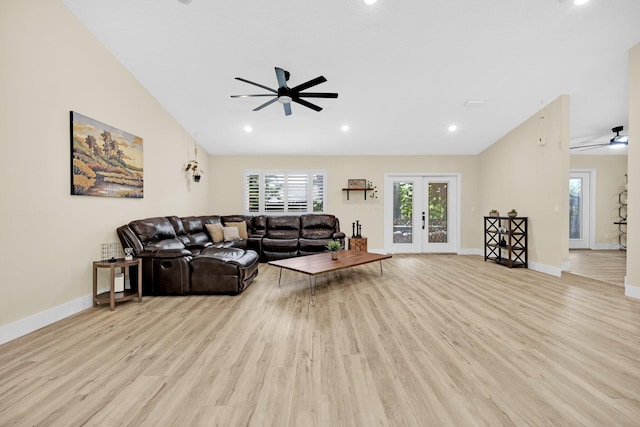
(242, 228)
(230, 234)
(215, 230)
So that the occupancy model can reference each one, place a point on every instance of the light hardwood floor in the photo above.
(439, 340)
(607, 266)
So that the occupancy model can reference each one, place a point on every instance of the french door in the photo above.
(421, 214)
(579, 210)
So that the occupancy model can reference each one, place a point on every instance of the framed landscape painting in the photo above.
(105, 161)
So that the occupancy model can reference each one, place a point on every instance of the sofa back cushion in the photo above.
(194, 226)
(259, 225)
(178, 227)
(156, 233)
(283, 227)
(316, 226)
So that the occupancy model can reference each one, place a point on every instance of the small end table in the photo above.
(358, 244)
(113, 297)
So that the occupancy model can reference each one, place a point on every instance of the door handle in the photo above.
(423, 224)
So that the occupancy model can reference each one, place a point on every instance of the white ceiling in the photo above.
(403, 68)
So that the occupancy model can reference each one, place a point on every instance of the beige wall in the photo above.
(633, 237)
(50, 65)
(227, 173)
(610, 181)
(518, 172)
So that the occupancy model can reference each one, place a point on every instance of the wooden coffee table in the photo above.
(314, 265)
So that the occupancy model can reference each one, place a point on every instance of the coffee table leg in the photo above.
(381, 267)
(313, 291)
(280, 278)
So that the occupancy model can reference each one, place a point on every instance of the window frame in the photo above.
(312, 198)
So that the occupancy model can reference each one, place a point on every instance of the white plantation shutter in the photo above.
(274, 193)
(317, 190)
(252, 193)
(297, 193)
(292, 192)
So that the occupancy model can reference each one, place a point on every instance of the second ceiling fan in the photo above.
(285, 95)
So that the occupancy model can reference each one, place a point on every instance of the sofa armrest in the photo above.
(164, 253)
(199, 245)
(339, 235)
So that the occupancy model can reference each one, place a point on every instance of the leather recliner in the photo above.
(178, 258)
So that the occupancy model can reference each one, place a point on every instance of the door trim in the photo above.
(388, 206)
(592, 206)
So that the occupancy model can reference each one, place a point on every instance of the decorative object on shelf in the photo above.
(356, 229)
(334, 247)
(494, 212)
(357, 184)
(111, 251)
(105, 161)
(512, 213)
(503, 243)
(128, 254)
(374, 190)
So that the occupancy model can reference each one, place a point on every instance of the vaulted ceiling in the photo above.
(404, 69)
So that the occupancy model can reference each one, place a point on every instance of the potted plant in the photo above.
(494, 212)
(192, 165)
(333, 247)
(512, 213)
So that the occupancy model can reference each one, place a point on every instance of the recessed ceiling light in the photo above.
(344, 128)
(248, 128)
(579, 2)
(453, 128)
(185, 1)
(370, 1)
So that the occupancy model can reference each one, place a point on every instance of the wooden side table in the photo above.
(358, 244)
(113, 297)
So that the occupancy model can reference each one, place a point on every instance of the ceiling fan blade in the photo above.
(256, 84)
(307, 104)
(282, 77)
(309, 84)
(287, 109)
(589, 146)
(269, 102)
(251, 96)
(317, 95)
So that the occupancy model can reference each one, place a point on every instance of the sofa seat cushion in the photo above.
(313, 245)
(223, 270)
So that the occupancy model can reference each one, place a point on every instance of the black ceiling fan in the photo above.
(285, 95)
(618, 141)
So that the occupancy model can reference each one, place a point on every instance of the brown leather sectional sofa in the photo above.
(185, 255)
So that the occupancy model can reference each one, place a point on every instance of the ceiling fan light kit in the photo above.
(286, 95)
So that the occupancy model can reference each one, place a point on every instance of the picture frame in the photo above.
(356, 183)
(105, 161)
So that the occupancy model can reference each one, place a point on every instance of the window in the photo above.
(292, 192)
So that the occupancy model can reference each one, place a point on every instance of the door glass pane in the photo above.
(575, 208)
(403, 212)
(438, 212)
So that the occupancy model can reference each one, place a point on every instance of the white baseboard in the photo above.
(547, 269)
(631, 290)
(39, 320)
(471, 251)
(606, 247)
